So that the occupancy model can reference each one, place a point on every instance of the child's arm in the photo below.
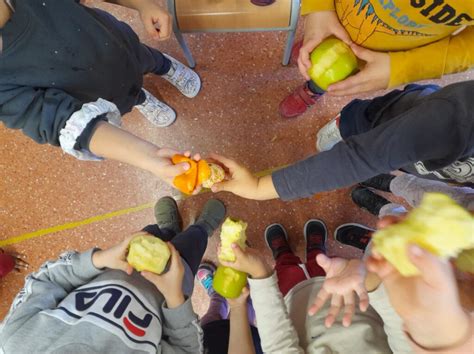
(450, 55)
(157, 21)
(114, 143)
(386, 148)
(54, 117)
(277, 333)
(240, 336)
(181, 331)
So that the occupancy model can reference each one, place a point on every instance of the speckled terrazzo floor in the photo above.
(235, 115)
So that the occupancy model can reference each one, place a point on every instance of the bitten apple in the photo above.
(332, 61)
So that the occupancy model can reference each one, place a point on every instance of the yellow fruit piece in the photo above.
(217, 175)
(465, 261)
(232, 231)
(438, 225)
(148, 253)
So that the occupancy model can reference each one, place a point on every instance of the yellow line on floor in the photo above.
(93, 219)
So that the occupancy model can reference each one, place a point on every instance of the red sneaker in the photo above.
(298, 102)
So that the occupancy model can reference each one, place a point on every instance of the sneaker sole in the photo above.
(268, 228)
(206, 265)
(350, 224)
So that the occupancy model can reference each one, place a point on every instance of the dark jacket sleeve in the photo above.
(428, 131)
(40, 113)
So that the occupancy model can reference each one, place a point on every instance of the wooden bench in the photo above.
(191, 16)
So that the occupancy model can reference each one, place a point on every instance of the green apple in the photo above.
(229, 282)
(331, 61)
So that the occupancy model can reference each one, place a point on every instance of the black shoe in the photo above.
(212, 216)
(315, 235)
(380, 182)
(277, 239)
(355, 235)
(368, 200)
(167, 215)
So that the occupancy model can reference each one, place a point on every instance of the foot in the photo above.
(295, 52)
(380, 182)
(186, 80)
(167, 215)
(211, 216)
(315, 235)
(262, 2)
(277, 240)
(368, 200)
(205, 276)
(329, 135)
(157, 112)
(298, 102)
(354, 235)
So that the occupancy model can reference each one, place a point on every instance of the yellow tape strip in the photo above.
(72, 225)
(94, 219)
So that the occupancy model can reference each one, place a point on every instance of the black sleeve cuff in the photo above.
(85, 138)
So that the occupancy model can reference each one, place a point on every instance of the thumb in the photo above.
(150, 27)
(239, 253)
(222, 187)
(151, 277)
(127, 268)
(323, 261)
(433, 270)
(178, 169)
(342, 34)
(362, 53)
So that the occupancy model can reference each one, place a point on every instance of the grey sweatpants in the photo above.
(412, 188)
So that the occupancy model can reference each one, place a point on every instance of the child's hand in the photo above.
(165, 169)
(241, 301)
(249, 261)
(375, 75)
(343, 278)
(115, 257)
(317, 27)
(170, 284)
(242, 182)
(157, 21)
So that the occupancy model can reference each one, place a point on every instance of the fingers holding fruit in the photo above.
(169, 283)
(200, 173)
(374, 75)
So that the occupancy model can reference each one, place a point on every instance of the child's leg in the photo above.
(162, 233)
(217, 310)
(191, 245)
(313, 268)
(288, 271)
(412, 189)
(153, 61)
(251, 313)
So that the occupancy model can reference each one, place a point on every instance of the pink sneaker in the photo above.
(205, 276)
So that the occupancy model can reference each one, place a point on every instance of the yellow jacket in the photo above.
(421, 36)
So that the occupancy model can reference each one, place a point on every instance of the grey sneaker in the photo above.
(167, 215)
(157, 112)
(329, 135)
(212, 216)
(186, 80)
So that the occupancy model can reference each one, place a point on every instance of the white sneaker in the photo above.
(186, 80)
(329, 135)
(157, 112)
